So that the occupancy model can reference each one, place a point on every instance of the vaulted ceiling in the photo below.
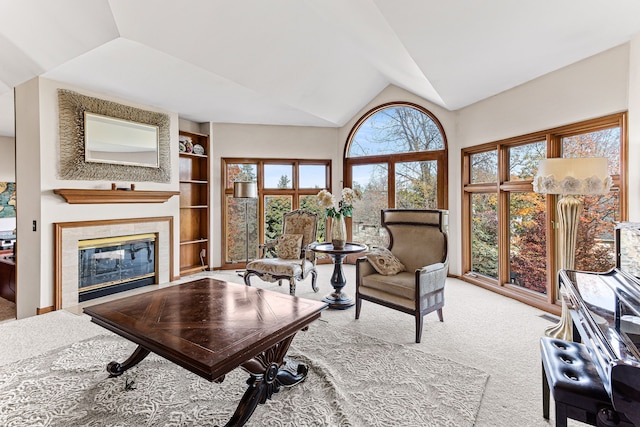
(298, 62)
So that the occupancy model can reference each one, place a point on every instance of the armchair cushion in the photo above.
(289, 246)
(280, 267)
(402, 284)
(385, 262)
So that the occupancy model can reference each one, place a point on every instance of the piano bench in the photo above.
(572, 378)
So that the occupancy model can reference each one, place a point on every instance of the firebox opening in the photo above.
(115, 264)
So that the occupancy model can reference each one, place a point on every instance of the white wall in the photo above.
(261, 141)
(7, 173)
(7, 159)
(37, 146)
(634, 129)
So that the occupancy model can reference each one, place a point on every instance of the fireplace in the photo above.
(115, 264)
(69, 236)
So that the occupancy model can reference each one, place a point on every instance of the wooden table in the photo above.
(211, 327)
(338, 299)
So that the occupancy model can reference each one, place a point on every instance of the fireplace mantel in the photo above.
(94, 196)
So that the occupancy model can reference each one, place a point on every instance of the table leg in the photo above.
(267, 374)
(115, 369)
(337, 299)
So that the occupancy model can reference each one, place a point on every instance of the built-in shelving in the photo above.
(194, 204)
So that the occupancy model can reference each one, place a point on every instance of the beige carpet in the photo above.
(354, 380)
(481, 329)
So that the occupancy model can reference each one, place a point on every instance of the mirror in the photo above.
(121, 142)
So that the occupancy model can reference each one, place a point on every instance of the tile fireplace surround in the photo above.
(67, 235)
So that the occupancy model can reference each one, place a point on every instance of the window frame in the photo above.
(553, 138)
(295, 192)
(440, 156)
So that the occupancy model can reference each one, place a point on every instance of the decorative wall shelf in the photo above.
(89, 196)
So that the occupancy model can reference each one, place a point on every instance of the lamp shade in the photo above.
(584, 175)
(245, 190)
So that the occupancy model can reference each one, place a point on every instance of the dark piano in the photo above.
(605, 309)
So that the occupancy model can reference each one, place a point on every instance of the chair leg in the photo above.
(314, 276)
(358, 307)
(292, 287)
(440, 315)
(247, 280)
(545, 395)
(561, 415)
(419, 325)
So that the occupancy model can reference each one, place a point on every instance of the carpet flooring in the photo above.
(354, 380)
(481, 329)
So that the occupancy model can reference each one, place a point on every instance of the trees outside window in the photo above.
(509, 232)
(283, 185)
(396, 156)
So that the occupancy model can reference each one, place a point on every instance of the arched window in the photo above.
(396, 155)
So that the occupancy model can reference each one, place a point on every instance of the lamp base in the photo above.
(563, 330)
(569, 210)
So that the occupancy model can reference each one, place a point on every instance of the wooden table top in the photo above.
(207, 326)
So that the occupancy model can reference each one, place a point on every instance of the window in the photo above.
(396, 156)
(508, 230)
(283, 185)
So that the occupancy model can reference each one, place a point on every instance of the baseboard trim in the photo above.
(44, 310)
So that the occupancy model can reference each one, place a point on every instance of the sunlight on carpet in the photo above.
(354, 380)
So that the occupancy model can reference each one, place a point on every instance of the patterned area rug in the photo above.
(354, 380)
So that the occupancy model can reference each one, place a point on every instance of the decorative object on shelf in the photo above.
(188, 146)
(245, 190)
(337, 214)
(198, 149)
(114, 187)
(184, 142)
(570, 177)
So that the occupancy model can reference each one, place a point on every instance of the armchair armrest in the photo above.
(432, 277)
(363, 268)
(308, 254)
(263, 248)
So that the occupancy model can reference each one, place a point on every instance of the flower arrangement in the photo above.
(344, 207)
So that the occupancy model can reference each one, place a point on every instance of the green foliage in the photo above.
(275, 207)
(284, 182)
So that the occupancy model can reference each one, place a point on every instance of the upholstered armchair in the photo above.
(410, 275)
(294, 260)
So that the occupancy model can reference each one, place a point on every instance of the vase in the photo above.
(338, 232)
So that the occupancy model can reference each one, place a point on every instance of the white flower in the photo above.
(348, 196)
(344, 207)
(326, 199)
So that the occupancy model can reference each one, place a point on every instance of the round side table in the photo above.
(337, 299)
